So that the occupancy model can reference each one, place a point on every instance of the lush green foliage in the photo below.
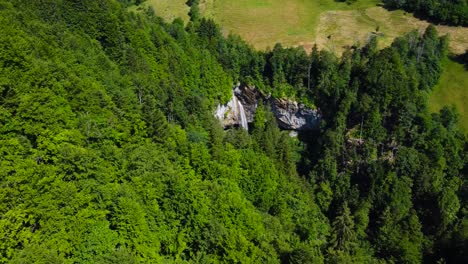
(449, 12)
(397, 168)
(110, 152)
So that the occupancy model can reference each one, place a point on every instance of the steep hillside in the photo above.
(110, 151)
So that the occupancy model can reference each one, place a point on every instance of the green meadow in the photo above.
(452, 89)
(330, 24)
(168, 9)
(265, 22)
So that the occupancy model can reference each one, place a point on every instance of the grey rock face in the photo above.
(289, 114)
(293, 116)
(249, 98)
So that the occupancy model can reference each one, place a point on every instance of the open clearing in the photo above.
(337, 29)
(169, 9)
(452, 89)
(266, 22)
(331, 25)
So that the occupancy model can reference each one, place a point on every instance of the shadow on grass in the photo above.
(460, 58)
(421, 16)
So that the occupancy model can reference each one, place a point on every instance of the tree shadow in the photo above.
(460, 58)
(419, 15)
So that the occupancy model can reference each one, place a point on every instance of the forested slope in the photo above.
(109, 151)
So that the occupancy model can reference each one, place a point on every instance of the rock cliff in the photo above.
(233, 113)
(290, 115)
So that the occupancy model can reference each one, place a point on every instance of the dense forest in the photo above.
(452, 12)
(110, 153)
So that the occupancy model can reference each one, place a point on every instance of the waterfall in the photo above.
(243, 117)
(239, 112)
(221, 111)
(233, 112)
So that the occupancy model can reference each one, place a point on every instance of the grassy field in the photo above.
(168, 9)
(331, 25)
(452, 89)
(265, 22)
(337, 29)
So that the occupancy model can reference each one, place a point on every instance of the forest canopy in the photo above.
(453, 12)
(110, 153)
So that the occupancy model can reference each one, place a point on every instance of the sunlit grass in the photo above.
(452, 89)
(167, 9)
(329, 24)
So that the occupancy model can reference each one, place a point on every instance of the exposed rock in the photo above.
(290, 115)
(293, 116)
(249, 97)
(232, 113)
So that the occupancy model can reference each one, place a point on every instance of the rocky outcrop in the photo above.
(290, 115)
(232, 113)
(249, 97)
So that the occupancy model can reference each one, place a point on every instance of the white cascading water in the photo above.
(239, 112)
(221, 111)
(235, 110)
(243, 117)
